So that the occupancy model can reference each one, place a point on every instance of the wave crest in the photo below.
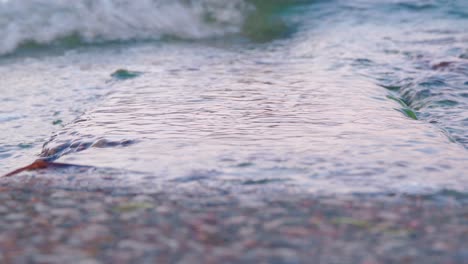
(45, 21)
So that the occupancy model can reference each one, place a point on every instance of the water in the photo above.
(324, 96)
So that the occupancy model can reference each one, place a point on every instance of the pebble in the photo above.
(143, 199)
(64, 212)
(99, 217)
(92, 232)
(15, 217)
(59, 195)
(89, 261)
(41, 208)
(3, 210)
(135, 245)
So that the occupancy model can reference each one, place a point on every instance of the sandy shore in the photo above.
(59, 226)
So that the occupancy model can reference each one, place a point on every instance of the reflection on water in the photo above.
(309, 111)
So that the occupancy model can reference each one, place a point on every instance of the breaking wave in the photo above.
(43, 22)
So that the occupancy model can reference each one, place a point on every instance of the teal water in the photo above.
(326, 96)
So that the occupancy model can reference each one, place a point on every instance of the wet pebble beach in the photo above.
(60, 226)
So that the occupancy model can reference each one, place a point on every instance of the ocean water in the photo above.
(323, 96)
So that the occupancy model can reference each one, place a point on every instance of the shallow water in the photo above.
(325, 96)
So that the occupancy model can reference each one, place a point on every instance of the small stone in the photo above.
(92, 232)
(40, 208)
(143, 199)
(389, 216)
(3, 210)
(88, 261)
(64, 212)
(59, 194)
(440, 246)
(135, 245)
(100, 217)
(15, 217)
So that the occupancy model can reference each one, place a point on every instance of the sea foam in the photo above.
(92, 21)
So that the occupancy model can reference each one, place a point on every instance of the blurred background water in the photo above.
(329, 96)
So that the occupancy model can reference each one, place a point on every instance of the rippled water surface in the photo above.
(326, 96)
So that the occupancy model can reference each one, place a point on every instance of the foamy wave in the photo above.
(45, 21)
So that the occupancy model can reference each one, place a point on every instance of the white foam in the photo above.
(44, 21)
